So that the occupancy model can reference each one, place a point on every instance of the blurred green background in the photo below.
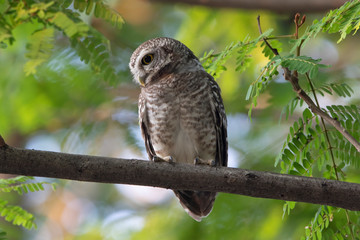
(66, 107)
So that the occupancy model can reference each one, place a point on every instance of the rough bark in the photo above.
(179, 176)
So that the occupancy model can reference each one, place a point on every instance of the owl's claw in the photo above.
(168, 159)
(199, 161)
(212, 163)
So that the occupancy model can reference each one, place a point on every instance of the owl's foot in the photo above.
(168, 159)
(199, 161)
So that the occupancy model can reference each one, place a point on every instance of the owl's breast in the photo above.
(162, 113)
(180, 121)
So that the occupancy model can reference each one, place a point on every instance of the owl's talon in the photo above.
(168, 159)
(157, 159)
(199, 161)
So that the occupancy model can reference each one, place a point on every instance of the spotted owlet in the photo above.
(182, 117)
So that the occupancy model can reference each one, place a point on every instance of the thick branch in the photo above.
(179, 176)
(274, 5)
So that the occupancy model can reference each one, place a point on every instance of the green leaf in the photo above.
(307, 114)
(16, 215)
(249, 91)
(293, 148)
(39, 49)
(104, 11)
(302, 64)
(100, 9)
(302, 138)
(96, 52)
(286, 159)
(313, 72)
(299, 168)
(297, 143)
(306, 164)
(70, 28)
(293, 172)
(289, 154)
(274, 44)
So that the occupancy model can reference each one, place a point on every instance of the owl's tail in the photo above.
(197, 204)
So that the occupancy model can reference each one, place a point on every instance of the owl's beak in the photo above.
(141, 80)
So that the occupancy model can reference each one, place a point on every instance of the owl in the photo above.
(181, 113)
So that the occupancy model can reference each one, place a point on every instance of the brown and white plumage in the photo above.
(181, 113)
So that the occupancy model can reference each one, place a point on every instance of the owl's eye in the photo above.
(147, 59)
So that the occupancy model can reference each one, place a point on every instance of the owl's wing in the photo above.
(143, 122)
(220, 124)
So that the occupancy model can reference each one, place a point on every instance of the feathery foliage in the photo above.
(16, 215)
(214, 63)
(340, 89)
(343, 20)
(19, 185)
(39, 49)
(13, 213)
(95, 51)
(59, 15)
(268, 73)
(99, 9)
(52, 18)
(302, 64)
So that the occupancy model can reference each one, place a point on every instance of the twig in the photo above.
(280, 36)
(274, 50)
(180, 176)
(324, 126)
(298, 24)
(296, 34)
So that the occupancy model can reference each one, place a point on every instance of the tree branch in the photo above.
(280, 6)
(179, 176)
(315, 109)
(294, 80)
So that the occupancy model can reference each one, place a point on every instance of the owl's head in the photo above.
(159, 57)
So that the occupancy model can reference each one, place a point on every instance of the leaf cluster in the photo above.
(99, 8)
(13, 213)
(301, 64)
(343, 20)
(214, 64)
(349, 117)
(323, 226)
(59, 15)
